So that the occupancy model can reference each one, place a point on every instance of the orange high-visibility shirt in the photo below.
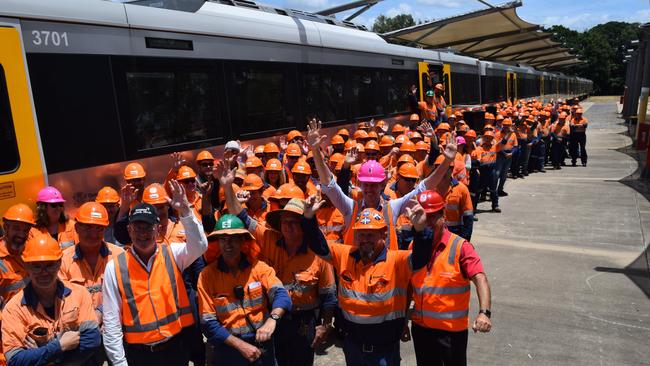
(13, 275)
(66, 236)
(75, 269)
(511, 142)
(331, 223)
(458, 203)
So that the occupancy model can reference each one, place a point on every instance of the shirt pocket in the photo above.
(255, 294)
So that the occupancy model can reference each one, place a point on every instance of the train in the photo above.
(87, 86)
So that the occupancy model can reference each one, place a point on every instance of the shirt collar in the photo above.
(380, 258)
(223, 267)
(103, 251)
(283, 244)
(454, 182)
(30, 299)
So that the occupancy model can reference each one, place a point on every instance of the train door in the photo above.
(432, 74)
(21, 163)
(511, 86)
(541, 87)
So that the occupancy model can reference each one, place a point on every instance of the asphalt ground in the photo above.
(567, 263)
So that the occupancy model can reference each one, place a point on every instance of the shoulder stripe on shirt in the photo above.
(452, 251)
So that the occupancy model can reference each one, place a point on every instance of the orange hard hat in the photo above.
(253, 162)
(350, 144)
(107, 195)
(294, 150)
(252, 182)
(401, 139)
(337, 140)
(578, 111)
(288, 191)
(406, 158)
(489, 115)
(380, 123)
(270, 148)
(443, 127)
(386, 141)
(415, 135)
(19, 212)
(343, 132)
(293, 134)
(273, 165)
(507, 122)
(407, 146)
(462, 128)
(360, 148)
(259, 149)
(134, 171)
(562, 115)
(499, 117)
(154, 194)
(488, 126)
(371, 145)
(488, 134)
(362, 126)
(431, 201)
(439, 160)
(240, 174)
(301, 167)
(370, 219)
(458, 114)
(185, 173)
(408, 170)
(421, 146)
(360, 134)
(414, 117)
(397, 128)
(336, 157)
(204, 155)
(439, 87)
(92, 213)
(470, 133)
(373, 135)
(42, 248)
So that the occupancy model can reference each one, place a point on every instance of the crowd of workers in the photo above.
(256, 257)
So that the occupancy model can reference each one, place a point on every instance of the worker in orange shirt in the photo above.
(578, 137)
(407, 177)
(134, 178)
(110, 199)
(459, 211)
(506, 141)
(84, 263)
(301, 172)
(373, 282)
(310, 280)
(486, 157)
(427, 108)
(17, 221)
(330, 221)
(440, 317)
(271, 151)
(560, 134)
(147, 311)
(204, 166)
(51, 219)
(372, 181)
(439, 102)
(235, 294)
(49, 321)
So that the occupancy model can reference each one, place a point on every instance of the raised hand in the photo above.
(314, 138)
(205, 187)
(416, 214)
(128, 193)
(351, 156)
(179, 199)
(451, 148)
(312, 204)
(224, 173)
(243, 196)
(283, 143)
(428, 130)
(177, 159)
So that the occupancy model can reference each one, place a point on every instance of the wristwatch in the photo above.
(275, 317)
(487, 313)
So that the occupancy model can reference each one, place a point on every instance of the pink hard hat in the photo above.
(371, 172)
(460, 140)
(49, 195)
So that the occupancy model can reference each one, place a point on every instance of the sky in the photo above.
(575, 14)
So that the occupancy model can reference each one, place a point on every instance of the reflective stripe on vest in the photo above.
(377, 297)
(14, 286)
(137, 326)
(441, 293)
(391, 233)
(373, 319)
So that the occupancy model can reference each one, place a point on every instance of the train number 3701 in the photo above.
(50, 38)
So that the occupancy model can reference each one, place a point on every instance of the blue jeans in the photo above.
(354, 355)
(501, 171)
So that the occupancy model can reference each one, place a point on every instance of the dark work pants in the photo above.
(225, 355)
(501, 170)
(434, 347)
(175, 355)
(514, 161)
(557, 152)
(354, 355)
(474, 186)
(488, 183)
(293, 337)
(525, 155)
(578, 142)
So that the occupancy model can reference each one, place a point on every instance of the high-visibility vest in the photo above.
(391, 235)
(426, 112)
(155, 305)
(440, 291)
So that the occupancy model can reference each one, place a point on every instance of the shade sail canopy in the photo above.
(496, 34)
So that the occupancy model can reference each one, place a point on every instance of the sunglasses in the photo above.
(206, 165)
(187, 181)
(410, 180)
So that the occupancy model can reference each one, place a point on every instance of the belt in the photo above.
(375, 348)
(158, 347)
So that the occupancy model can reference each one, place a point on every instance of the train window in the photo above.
(333, 103)
(368, 93)
(172, 107)
(8, 146)
(260, 98)
(398, 87)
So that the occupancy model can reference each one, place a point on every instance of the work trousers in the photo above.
(537, 156)
(474, 186)
(293, 337)
(230, 356)
(514, 161)
(434, 347)
(557, 152)
(356, 354)
(488, 183)
(578, 142)
(176, 353)
(525, 156)
(501, 170)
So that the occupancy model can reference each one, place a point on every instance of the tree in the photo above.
(385, 24)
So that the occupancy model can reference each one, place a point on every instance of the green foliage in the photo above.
(385, 24)
(603, 48)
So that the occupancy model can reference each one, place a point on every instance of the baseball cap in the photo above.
(144, 212)
(233, 145)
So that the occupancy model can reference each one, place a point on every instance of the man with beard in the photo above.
(16, 223)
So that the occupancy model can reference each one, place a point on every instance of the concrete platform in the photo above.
(567, 263)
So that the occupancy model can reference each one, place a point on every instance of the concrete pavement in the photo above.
(566, 263)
